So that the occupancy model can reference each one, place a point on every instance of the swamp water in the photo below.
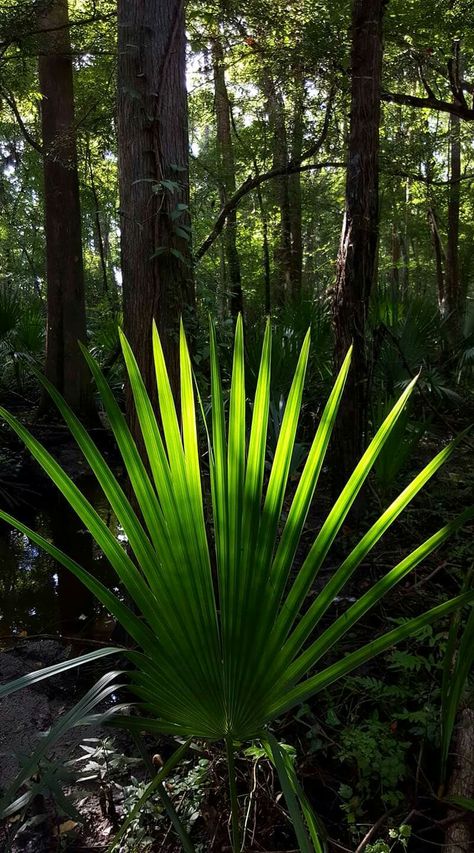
(38, 596)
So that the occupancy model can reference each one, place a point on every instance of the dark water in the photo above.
(37, 595)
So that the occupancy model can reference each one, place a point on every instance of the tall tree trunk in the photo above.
(405, 270)
(294, 183)
(153, 180)
(396, 256)
(227, 176)
(440, 256)
(66, 309)
(276, 114)
(266, 254)
(460, 830)
(356, 262)
(453, 302)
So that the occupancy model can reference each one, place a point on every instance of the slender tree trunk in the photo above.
(266, 253)
(460, 831)
(396, 256)
(453, 308)
(439, 258)
(154, 180)
(405, 270)
(294, 184)
(99, 240)
(356, 262)
(66, 310)
(227, 176)
(283, 261)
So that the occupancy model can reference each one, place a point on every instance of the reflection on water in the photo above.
(37, 595)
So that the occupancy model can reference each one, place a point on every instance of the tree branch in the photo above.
(425, 179)
(251, 183)
(26, 133)
(455, 109)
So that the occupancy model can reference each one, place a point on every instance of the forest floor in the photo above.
(365, 751)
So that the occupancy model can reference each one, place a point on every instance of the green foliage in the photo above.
(399, 448)
(228, 659)
(377, 729)
(457, 669)
(398, 840)
(380, 763)
(22, 336)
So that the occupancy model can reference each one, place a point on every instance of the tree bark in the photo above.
(452, 306)
(154, 181)
(460, 832)
(439, 258)
(356, 263)
(227, 176)
(276, 115)
(396, 257)
(66, 310)
(294, 185)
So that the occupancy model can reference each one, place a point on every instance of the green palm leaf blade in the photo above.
(139, 542)
(287, 784)
(185, 480)
(142, 488)
(325, 598)
(256, 451)
(150, 506)
(153, 609)
(269, 599)
(335, 519)
(375, 594)
(247, 604)
(133, 581)
(282, 460)
(253, 644)
(55, 669)
(193, 488)
(218, 471)
(187, 579)
(234, 501)
(136, 628)
(220, 657)
(315, 684)
(457, 666)
(76, 716)
(307, 485)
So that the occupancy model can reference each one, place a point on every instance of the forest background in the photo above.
(312, 162)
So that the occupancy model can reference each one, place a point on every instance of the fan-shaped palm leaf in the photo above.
(222, 645)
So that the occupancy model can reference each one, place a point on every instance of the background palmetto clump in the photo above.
(223, 645)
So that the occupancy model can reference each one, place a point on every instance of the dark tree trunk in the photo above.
(439, 257)
(276, 114)
(154, 180)
(356, 264)
(460, 829)
(227, 177)
(66, 309)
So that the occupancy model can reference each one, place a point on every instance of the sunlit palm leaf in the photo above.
(222, 647)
